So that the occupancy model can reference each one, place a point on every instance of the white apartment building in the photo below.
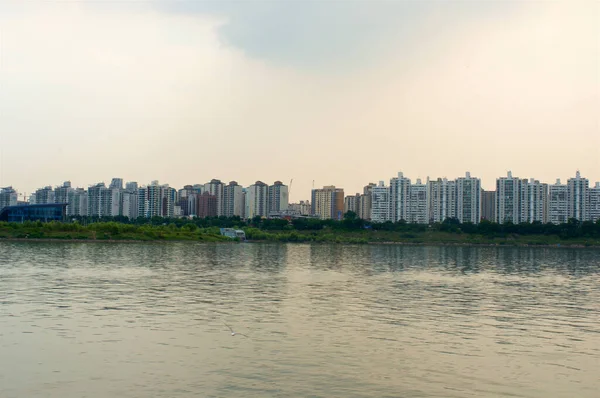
(257, 200)
(129, 204)
(468, 199)
(399, 198)
(577, 189)
(77, 202)
(508, 203)
(302, 208)
(418, 207)
(95, 196)
(278, 200)
(61, 194)
(156, 200)
(233, 200)
(44, 196)
(380, 203)
(441, 199)
(594, 203)
(534, 201)
(557, 203)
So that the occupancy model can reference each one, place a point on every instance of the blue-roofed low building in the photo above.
(233, 233)
(42, 212)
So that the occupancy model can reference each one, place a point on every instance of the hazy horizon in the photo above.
(340, 93)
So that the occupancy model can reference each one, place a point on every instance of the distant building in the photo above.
(77, 202)
(116, 183)
(417, 210)
(8, 197)
(96, 196)
(364, 204)
(557, 203)
(234, 200)
(61, 194)
(302, 208)
(534, 201)
(468, 199)
(380, 203)
(577, 196)
(328, 203)
(207, 205)
(441, 199)
(233, 233)
(351, 203)
(129, 204)
(156, 200)
(399, 198)
(594, 203)
(278, 197)
(257, 200)
(41, 212)
(44, 195)
(215, 187)
(488, 206)
(508, 199)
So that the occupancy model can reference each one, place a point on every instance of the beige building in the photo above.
(328, 203)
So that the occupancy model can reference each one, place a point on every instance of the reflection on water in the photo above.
(141, 320)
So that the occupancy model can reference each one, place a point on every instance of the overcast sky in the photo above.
(339, 92)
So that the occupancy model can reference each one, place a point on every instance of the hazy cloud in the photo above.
(341, 93)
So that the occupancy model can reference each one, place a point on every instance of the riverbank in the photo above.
(124, 233)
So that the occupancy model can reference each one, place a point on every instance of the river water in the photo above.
(148, 320)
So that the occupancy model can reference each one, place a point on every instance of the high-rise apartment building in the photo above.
(441, 199)
(418, 207)
(594, 203)
(207, 205)
(8, 197)
(77, 202)
(215, 187)
(488, 206)
(328, 203)
(508, 199)
(233, 200)
(61, 194)
(557, 203)
(533, 201)
(156, 200)
(44, 195)
(351, 203)
(129, 204)
(380, 203)
(257, 200)
(364, 204)
(577, 196)
(131, 186)
(278, 197)
(468, 199)
(399, 197)
(116, 183)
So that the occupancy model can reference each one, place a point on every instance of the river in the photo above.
(148, 320)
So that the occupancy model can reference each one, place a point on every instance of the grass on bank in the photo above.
(115, 231)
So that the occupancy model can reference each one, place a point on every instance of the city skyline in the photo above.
(296, 197)
(514, 199)
(336, 92)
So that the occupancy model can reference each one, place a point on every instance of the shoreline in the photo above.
(382, 243)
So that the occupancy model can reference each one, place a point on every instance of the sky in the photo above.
(327, 92)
